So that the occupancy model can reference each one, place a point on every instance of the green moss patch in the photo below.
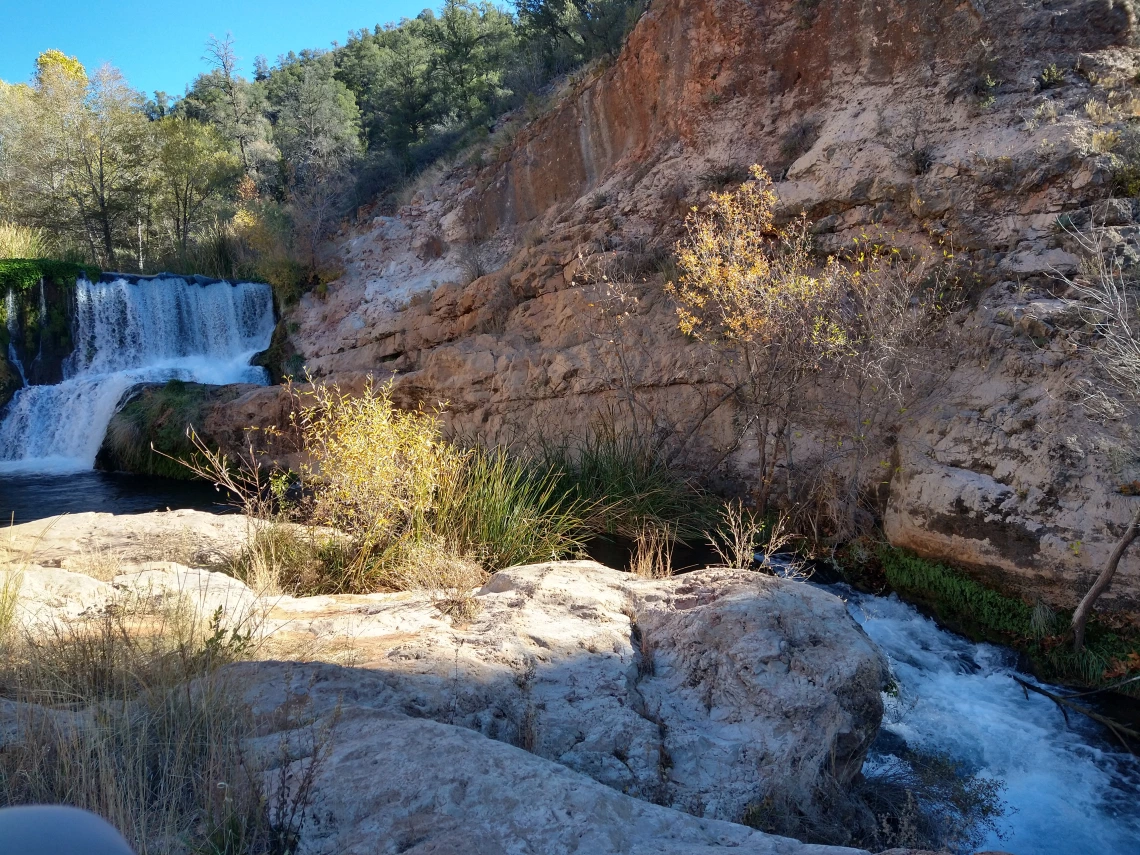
(20, 274)
(157, 416)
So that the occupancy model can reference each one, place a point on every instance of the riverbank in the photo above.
(1040, 635)
(1068, 788)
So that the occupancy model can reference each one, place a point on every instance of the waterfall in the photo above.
(13, 331)
(128, 333)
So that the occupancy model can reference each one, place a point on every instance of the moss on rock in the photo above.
(43, 337)
(20, 274)
(148, 434)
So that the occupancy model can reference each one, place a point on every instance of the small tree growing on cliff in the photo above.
(747, 289)
(1106, 299)
(782, 320)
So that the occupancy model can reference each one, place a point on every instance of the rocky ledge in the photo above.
(579, 709)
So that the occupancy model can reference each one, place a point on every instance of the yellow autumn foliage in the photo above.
(745, 281)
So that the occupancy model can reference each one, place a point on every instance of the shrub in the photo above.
(387, 479)
(1125, 155)
(1051, 76)
(799, 139)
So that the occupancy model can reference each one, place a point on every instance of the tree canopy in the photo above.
(248, 175)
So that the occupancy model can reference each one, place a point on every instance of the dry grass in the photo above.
(1099, 113)
(1103, 142)
(653, 552)
(17, 241)
(128, 712)
(11, 580)
(737, 538)
(102, 563)
(449, 579)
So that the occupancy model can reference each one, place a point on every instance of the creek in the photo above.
(1070, 788)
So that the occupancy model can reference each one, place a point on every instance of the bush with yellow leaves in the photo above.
(782, 321)
(388, 479)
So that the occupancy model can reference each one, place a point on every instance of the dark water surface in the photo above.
(33, 497)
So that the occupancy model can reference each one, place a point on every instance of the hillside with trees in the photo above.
(247, 176)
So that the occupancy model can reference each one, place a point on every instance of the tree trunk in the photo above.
(1084, 610)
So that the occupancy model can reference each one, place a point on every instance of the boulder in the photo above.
(705, 692)
(580, 709)
(392, 784)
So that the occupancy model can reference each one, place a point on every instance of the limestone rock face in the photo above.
(484, 291)
(702, 692)
(393, 784)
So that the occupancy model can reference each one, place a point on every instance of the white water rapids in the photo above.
(128, 333)
(1069, 787)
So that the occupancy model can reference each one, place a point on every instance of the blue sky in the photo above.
(159, 44)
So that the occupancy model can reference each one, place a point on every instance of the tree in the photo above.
(589, 27)
(236, 106)
(748, 290)
(318, 133)
(1105, 297)
(470, 42)
(79, 152)
(785, 326)
(193, 166)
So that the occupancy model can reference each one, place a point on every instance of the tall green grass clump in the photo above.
(625, 486)
(505, 511)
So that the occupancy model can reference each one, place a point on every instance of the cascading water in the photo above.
(127, 333)
(1069, 789)
(13, 330)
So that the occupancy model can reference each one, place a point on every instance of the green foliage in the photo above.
(21, 274)
(1125, 159)
(954, 595)
(981, 612)
(579, 30)
(623, 485)
(505, 511)
(1051, 76)
(93, 168)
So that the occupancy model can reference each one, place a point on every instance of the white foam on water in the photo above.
(13, 330)
(1070, 788)
(128, 334)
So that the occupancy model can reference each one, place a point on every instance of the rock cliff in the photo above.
(932, 121)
